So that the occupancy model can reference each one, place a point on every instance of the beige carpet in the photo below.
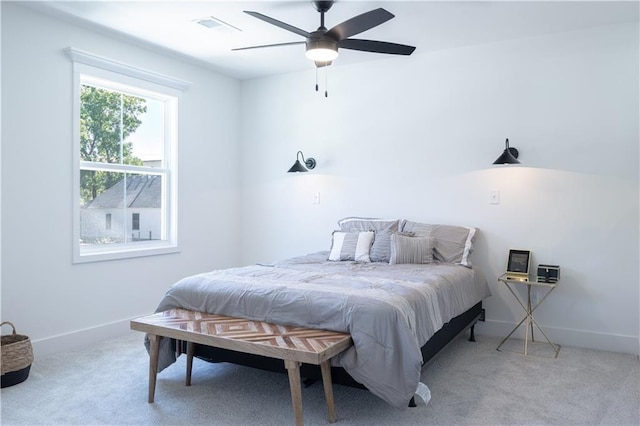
(471, 383)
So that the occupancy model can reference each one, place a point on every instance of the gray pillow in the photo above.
(452, 244)
(383, 228)
(405, 249)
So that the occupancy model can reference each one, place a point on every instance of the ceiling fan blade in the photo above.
(277, 23)
(269, 45)
(376, 46)
(359, 24)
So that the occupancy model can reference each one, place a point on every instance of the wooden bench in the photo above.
(294, 345)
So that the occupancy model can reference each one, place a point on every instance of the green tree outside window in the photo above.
(107, 118)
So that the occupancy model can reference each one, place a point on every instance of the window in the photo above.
(135, 221)
(125, 142)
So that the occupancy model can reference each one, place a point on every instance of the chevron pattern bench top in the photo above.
(306, 345)
(294, 345)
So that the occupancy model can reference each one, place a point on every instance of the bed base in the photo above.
(311, 373)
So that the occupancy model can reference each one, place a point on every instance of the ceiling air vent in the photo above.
(215, 23)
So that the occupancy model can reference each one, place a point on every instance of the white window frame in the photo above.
(89, 67)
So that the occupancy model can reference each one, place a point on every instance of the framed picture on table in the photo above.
(518, 263)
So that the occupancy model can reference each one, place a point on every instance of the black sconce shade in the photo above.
(508, 156)
(298, 167)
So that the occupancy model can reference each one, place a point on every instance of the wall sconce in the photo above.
(298, 167)
(509, 156)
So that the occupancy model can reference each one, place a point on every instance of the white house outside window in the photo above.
(125, 144)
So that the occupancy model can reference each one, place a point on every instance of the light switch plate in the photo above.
(494, 196)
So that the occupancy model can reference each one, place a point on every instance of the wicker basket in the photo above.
(17, 356)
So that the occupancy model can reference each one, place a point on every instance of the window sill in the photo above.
(112, 252)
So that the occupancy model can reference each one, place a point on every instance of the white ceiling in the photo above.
(428, 25)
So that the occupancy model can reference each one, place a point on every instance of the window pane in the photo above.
(133, 202)
(101, 195)
(145, 206)
(107, 119)
(147, 141)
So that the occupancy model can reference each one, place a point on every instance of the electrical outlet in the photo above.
(316, 198)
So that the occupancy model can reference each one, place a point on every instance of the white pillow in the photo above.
(354, 246)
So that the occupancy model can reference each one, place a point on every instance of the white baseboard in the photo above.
(65, 342)
(564, 336)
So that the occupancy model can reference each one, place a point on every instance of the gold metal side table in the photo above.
(528, 319)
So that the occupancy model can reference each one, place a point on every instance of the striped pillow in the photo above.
(380, 250)
(406, 249)
(351, 246)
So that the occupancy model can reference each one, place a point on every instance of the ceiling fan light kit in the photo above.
(322, 45)
(322, 50)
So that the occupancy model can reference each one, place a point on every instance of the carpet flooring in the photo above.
(471, 384)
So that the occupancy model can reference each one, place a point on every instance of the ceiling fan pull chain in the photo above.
(326, 82)
(316, 79)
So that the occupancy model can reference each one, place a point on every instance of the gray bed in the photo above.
(390, 310)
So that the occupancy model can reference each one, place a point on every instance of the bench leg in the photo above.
(325, 367)
(153, 365)
(189, 363)
(293, 368)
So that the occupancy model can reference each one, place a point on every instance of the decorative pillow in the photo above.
(351, 246)
(383, 228)
(452, 244)
(405, 249)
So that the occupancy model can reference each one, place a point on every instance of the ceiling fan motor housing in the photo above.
(322, 6)
(321, 47)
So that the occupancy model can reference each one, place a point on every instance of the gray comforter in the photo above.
(389, 310)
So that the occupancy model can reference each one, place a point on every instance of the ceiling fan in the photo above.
(322, 44)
